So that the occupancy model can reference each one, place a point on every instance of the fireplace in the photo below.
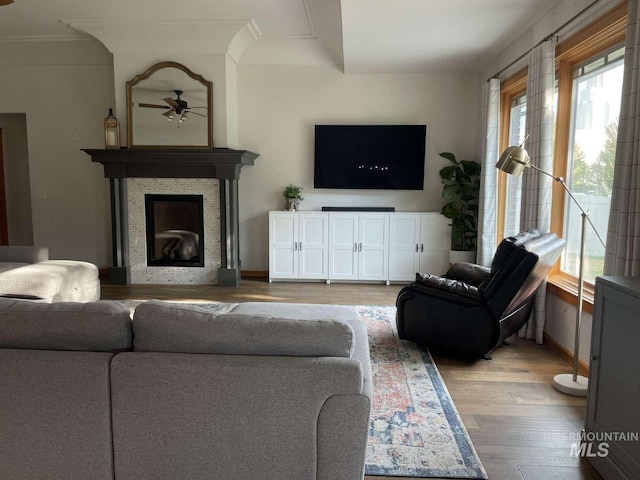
(134, 172)
(174, 230)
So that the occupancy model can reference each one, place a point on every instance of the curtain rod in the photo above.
(548, 37)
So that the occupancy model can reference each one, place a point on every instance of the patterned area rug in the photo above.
(415, 430)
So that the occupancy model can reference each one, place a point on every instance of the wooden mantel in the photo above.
(222, 163)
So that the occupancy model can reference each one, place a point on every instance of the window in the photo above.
(513, 103)
(589, 70)
(597, 89)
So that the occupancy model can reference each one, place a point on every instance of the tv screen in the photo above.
(389, 157)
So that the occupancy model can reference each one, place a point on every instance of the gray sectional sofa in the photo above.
(271, 391)
(27, 272)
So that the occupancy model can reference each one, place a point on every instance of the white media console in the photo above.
(357, 246)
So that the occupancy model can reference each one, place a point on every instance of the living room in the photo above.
(275, 76)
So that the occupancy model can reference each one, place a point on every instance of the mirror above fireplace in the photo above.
(169, 106)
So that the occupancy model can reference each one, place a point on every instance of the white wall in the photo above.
(560, 325)
(65, 89)
(16, 178)
(279, 105)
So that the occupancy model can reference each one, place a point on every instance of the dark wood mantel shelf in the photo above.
(222, 163)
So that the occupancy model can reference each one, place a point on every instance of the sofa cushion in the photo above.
(164, 327)
(96, 326)
(47, 279)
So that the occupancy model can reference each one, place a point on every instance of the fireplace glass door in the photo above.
(175, 230)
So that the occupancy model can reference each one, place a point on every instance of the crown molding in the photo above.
(75, 37)
(205, 36)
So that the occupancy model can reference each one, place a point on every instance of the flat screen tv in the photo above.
(389, 157)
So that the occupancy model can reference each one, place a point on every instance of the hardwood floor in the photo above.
(521, 427)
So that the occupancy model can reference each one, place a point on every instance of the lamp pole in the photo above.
(574, 384)
(513, 161)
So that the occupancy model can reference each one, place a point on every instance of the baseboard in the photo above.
(566, 355)
(254, 274)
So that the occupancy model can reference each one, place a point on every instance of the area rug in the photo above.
(415, 430)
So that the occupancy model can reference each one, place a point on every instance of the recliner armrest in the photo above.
(468, 273)
(447, 289)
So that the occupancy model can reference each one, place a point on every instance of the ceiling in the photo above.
(367, 36)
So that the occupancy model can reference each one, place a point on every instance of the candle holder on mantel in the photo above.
(111, 131)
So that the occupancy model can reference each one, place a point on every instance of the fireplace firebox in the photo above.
(174, 230)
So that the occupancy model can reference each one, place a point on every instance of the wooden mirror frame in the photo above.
(148, 73)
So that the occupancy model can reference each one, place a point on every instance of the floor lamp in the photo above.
(513, 161)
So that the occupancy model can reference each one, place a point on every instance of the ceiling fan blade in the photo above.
(196, 107)
(5, 2)
(151, 105)
(171, 102)
(196, 113)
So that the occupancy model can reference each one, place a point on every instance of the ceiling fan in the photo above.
(176, 107)
(5, 2)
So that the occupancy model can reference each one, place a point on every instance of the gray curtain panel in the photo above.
(487, 212)
(536, 188)
(622, 254)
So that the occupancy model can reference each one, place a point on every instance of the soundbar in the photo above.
(358, 209)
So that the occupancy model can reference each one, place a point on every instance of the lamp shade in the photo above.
(513, 160)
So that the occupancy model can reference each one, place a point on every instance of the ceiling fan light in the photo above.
(183, 118)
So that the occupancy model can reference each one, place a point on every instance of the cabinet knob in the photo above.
(416, 248)
(594, 357)
(355, 247)
(359, 247)
(295, 246)
(422, 247)
(299, 245)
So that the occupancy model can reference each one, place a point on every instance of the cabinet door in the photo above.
(313, 245)
(614, 383)
(373, 247)
(283, 251)
(404, 237)
(435, 242)
(343, 246)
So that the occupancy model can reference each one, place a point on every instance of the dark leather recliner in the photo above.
(472, 309)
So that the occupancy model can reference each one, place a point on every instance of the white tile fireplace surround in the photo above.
(141, 273)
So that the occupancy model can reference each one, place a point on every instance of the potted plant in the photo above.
(293, 195)
(461, 190)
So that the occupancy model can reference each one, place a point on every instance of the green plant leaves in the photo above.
(461, 190)
(293, 191)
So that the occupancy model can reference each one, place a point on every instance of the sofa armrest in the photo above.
(447, 289)
(23, 254)
(468, 273)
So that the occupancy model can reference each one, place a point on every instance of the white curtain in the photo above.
(622, 255)
(487, 211)
(536, 188)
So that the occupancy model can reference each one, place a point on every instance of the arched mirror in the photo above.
(169, 106)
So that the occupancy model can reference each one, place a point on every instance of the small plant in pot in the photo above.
(461, 190)
(293, 195)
